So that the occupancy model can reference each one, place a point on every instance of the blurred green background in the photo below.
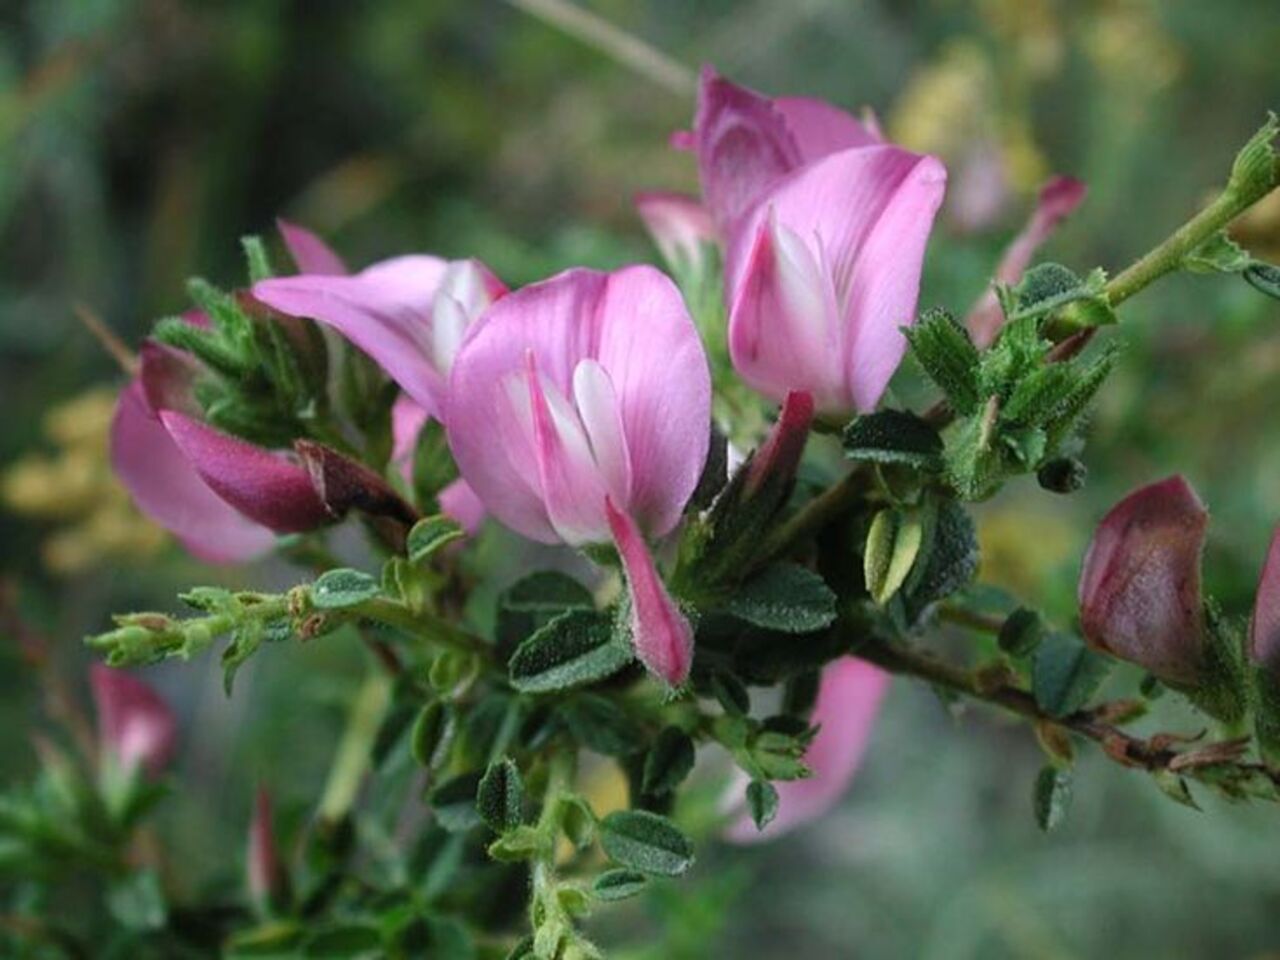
(139, 139)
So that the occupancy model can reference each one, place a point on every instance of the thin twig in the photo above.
(107, 338)
(623, 47)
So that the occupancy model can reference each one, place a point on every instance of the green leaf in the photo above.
(1065, 673)
(454, 802)
(137, 902)
(893, 544)
(428, 733)
(519, 843)
(1021, 632)
(778, 755)
(433, 465)
(950, 559)
(618, 884)
(730, 693)
(430, 534)
(577, 821)
(1040, 394)
(894, 436)
(785, 597)
(646, 842)
(1087, 384)
(943, 348)
(343, 588)
(1218, 254)
(1052, 797)
(547, 591)
(1264, 277)
(762, 802)
(345, 942)
(500, 796)
(1174, 787)
(603, 726)
(256, 255)
(1048, 287)
(245, 640)
(669, 761)
(576, 648)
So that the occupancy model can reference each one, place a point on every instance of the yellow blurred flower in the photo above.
(952, 107)
(1130, 47)
(75, 488)
(1022, 547)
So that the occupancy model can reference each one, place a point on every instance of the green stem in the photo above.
(545, 908)
(1152, 755)
(354, 749)
(828, 506)
(1170, 253)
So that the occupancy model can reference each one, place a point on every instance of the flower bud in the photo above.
(1263, 651)
(1257, 167)
(777, 459)
(136, 729)
(1140, 585)
(265, 875)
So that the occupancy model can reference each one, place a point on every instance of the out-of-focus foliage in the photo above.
(140, 138)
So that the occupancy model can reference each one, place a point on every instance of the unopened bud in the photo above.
(264, 873)
(1254, 173)
(1140, 585)
(1062, 475)
(1263, 650)
(136, 729)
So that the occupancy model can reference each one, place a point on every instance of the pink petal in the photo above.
(460, 502)
(135, 726)
(264, 872)
(778, 457)
(864, 216)
(408, 417)
(168, 490)
(310, 253)
(848, 702)
(681, 228)
(264, 486)
(820, 129)
(1140, 583)
(1058, 200)
(1264, 631)
(634, 324)
(385, 310)
(649, 345)
(743, 146)
(785, 330)
(573, 490)
(662, 637)
(168, 378)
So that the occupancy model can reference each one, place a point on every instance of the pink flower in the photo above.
(848, 702)
(578, 414)
(1264, 630)
(1058, 200)
(745, 142)
(457, 500)
(1140, 584)
(681, 228)
(136, 729)
(824, 271)
(410, 314)
(265, 874)
(223, 497)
